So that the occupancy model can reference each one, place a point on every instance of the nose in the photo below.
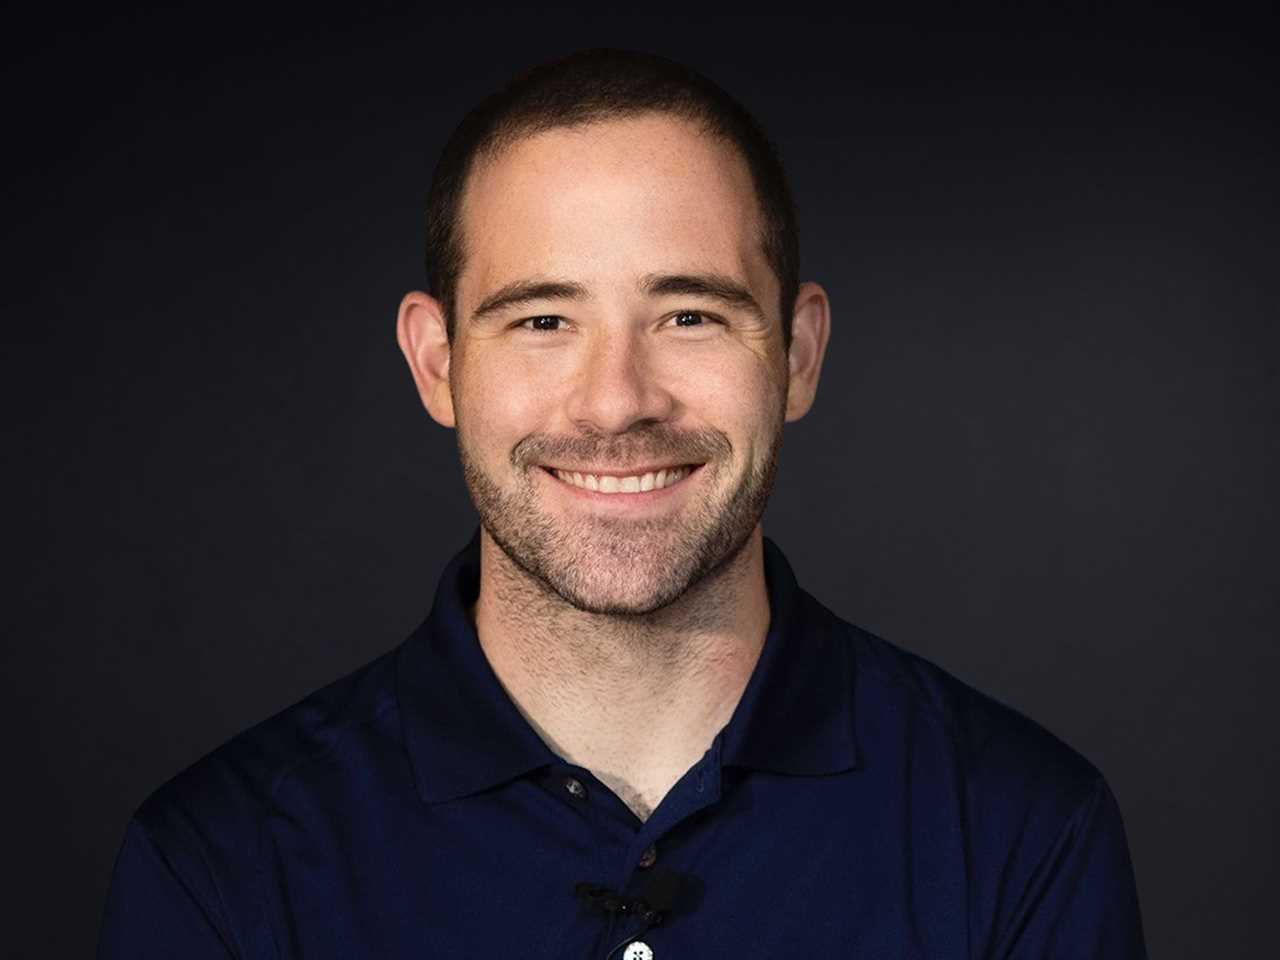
(617, 386)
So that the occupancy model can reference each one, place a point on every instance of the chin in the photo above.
(617, 595)
(622, 573)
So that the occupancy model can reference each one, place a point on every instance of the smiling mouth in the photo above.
(633, 483)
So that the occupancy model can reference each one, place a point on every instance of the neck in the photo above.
(636, 700)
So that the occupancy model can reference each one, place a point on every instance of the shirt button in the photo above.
(575, 787)
(649, 857)
(638, 950)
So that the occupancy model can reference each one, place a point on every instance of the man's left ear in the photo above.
(810, 329)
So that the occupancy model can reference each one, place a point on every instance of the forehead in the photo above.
(609, 200)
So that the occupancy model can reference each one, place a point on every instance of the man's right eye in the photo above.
(542, 324)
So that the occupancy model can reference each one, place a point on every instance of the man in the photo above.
(624, 730)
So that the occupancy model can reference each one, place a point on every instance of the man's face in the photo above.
(617, 373)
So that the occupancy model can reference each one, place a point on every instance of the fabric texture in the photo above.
(860, 802)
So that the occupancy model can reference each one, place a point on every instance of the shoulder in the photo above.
(221, 799)
(909, 707)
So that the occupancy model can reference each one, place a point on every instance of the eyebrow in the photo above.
(713, 285)
(527, 291)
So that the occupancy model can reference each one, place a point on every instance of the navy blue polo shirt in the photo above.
(860, 802)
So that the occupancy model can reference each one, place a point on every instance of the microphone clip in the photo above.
(610, 901)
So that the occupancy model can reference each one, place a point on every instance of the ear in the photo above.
(810, 328)
(424, 340)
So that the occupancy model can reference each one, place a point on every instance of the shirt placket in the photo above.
(626, 852)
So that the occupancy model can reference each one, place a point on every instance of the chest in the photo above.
(767, 870)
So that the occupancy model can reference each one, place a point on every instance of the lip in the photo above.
(636, 471)
(620, 499)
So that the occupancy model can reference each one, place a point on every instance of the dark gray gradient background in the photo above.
(1043, 454)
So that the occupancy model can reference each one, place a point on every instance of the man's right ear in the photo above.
(423, 336)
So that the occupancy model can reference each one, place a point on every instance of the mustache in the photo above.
(647, 444)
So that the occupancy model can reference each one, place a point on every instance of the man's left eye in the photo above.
(688, 318)
(543, 324)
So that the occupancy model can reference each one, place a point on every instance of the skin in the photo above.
(624, 627)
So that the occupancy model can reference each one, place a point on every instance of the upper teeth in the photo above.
(634, 484)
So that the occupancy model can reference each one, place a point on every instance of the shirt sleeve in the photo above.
(151, 912)
(1082, 901)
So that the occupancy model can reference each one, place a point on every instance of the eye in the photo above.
(545, 324)
(690, 318)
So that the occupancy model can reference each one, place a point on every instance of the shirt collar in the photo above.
(464, 734)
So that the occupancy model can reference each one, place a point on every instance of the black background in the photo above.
(1043, 453)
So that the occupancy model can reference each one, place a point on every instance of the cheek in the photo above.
(741, 399)
(500, 401)
(733, 377)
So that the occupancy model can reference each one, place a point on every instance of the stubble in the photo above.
(623, 567)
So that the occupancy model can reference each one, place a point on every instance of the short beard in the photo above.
(561, 558)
